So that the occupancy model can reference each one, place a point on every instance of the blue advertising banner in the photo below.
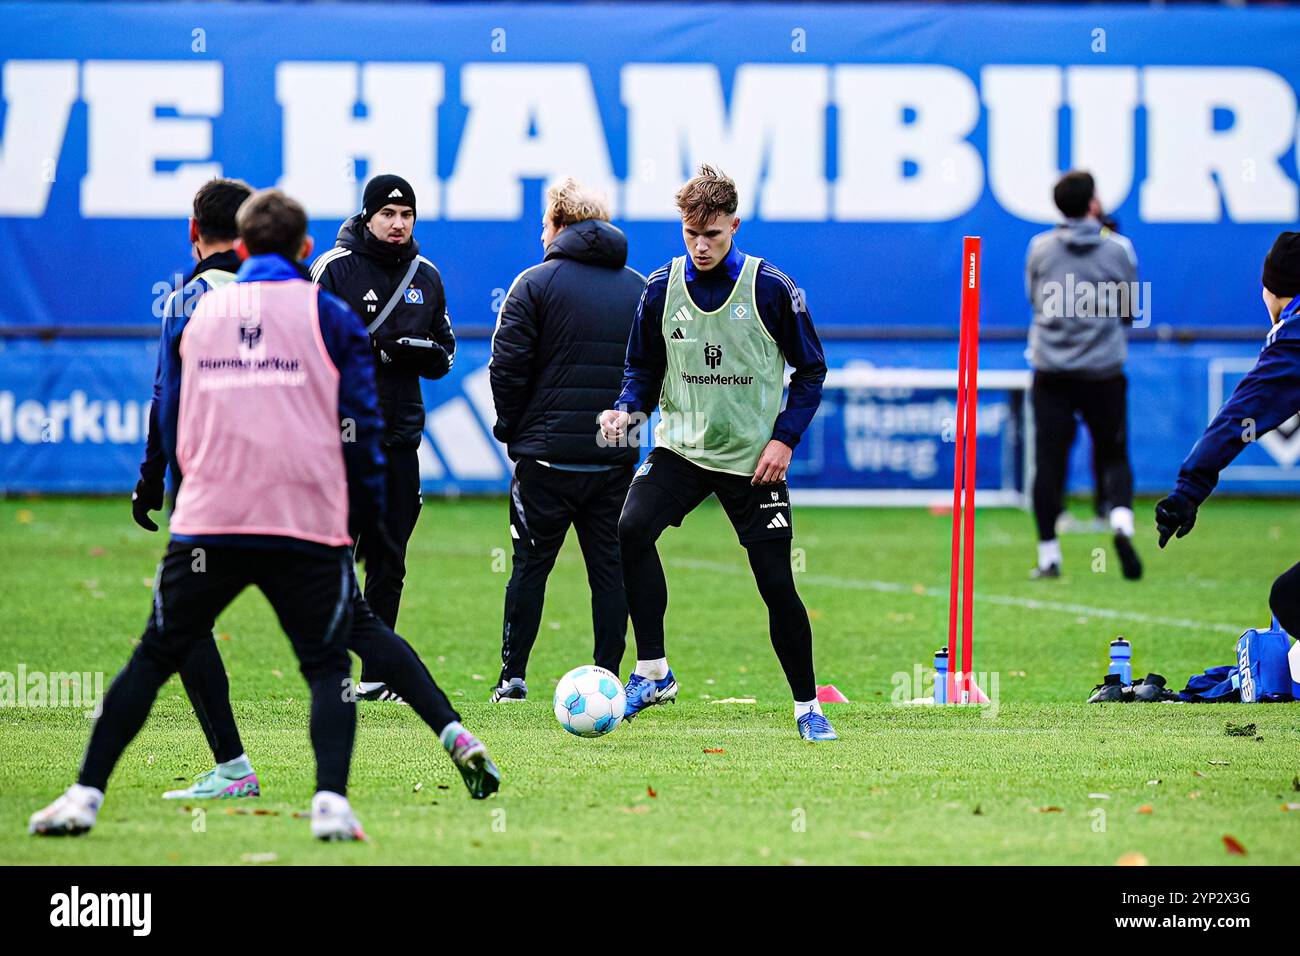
(73, 414)
(865, 140)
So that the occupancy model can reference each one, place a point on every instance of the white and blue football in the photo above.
(589, 701)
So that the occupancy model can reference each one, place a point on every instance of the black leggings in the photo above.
(1103, 404)
(648, 511)
(382, 652)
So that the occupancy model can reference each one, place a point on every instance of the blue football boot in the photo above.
(815, 726)
(642, 692)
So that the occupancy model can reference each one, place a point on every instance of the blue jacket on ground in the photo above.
(349, 349)
(781, 308)
(1263, 400)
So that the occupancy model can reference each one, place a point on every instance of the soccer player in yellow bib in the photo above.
(712, 336)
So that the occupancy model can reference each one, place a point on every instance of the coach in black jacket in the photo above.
(376, 268)
(557, 362)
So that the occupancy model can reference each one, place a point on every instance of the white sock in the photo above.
(241, 766)
(90, 797)
(1049, 553)
(1121, 520)
(655, 670)
(802, 707)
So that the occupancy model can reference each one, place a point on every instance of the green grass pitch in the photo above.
(1046, 779)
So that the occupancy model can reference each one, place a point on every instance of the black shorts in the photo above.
(757, 512)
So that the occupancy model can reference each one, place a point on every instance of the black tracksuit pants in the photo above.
(383, 651)
(1103, 405)
(544, 502)
(386, 573)
(310, 592)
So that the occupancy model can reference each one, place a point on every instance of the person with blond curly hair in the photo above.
(557, 361)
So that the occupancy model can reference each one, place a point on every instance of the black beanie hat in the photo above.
(383, 190)
(1282, 266)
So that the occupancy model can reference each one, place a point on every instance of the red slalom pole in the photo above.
(970, 320)
(958, 456)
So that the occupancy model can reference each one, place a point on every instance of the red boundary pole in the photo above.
(958, 454)
(970, 307)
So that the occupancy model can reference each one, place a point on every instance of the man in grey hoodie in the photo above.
(1081, 278)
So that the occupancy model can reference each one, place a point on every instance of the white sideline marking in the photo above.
(1006, 600)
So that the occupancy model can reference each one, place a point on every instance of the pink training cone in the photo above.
(830, 694)
(957, 683)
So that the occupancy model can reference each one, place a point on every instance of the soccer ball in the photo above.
(589, 701)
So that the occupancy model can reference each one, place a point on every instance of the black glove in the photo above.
(147, 497)
(376, 543)
(426, 361)
(1175, 516)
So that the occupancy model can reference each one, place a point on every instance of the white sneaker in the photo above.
(332, 818)
(71, 815)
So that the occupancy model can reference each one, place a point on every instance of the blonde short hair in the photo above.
(568, 201)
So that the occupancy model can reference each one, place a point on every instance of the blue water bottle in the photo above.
(1121, 660)
(941, 676)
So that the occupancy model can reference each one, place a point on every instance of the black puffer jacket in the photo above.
(558, 350)
(364, 272)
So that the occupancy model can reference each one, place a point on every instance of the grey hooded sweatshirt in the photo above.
(1072, 277)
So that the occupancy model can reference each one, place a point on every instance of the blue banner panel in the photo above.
(865, 140)
(903, 438)
(73, 412)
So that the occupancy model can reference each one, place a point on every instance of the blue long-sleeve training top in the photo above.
(1264, 399)
(783, 311)
(349, 349)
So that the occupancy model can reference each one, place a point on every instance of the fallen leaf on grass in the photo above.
(1194, 795)
(1233, 846)
(1146, 808)
(1239, 730)
(23, 516)
(1197, 773)
(1290, 807)
(1131, 859)
(223, 636)
(1048, 810)
(714, 750)
(650, 792)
